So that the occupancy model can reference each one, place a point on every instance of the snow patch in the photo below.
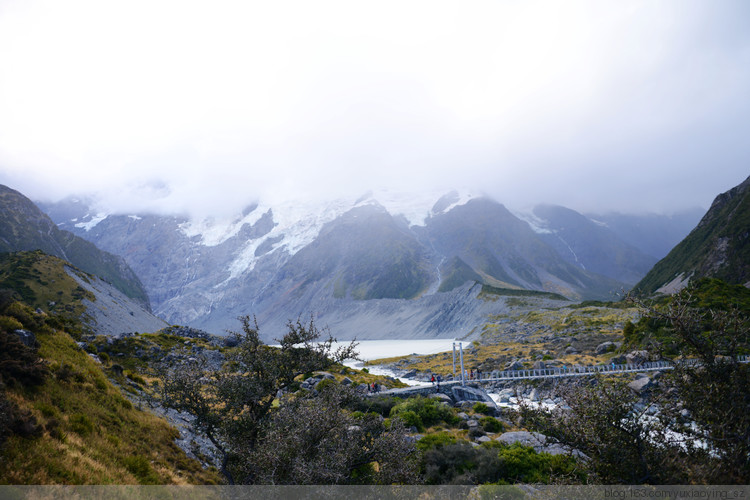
(415, 207)
(296, 225)
(536, 224)
(87, 226)
(214, 232)
(135, 217)
(599, 223)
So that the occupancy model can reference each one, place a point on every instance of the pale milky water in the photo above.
(376, 349)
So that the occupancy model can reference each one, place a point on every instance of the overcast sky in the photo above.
(205, 105)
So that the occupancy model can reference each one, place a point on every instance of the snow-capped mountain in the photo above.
(382, 265)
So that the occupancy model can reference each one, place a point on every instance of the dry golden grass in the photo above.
(552, 331)
(89, 433)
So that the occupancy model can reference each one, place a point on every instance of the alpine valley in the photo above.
(378, 266)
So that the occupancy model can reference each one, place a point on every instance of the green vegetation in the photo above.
(456, 273)
(724, 226)
(691, 426)
(42, 282)
(423, 412)
(512, 292)
(65, 423)
(495, 463)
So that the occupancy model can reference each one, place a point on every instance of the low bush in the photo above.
(491, 424)
(430, 411)
(481, 408)
(435, 440)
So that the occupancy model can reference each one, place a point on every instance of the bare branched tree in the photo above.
(232, 404)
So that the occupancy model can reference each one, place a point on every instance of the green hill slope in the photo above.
(64, 422)
(23, 227)
(716, 248)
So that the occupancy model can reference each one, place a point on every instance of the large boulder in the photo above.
(637, 357)
(605, 347)
(538, 441)
(534, 439)
(26, 337)
(641, 385)
(514, 365)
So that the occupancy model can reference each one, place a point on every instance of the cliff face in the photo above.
(716, 248)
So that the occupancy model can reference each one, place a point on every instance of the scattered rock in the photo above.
(538, 441)
(443, 397)
(533, 439)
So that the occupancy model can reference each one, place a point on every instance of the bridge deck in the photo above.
(569, 371)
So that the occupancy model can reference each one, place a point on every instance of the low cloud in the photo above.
(203, 107)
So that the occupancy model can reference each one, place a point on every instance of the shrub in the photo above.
(46, 409)
(475, 432)
(135, 378)
(523, 464)
(9, 324)
(20, 363)
(430, 411)
(482, 408)
(491, 424)
(324, 384)
(435, 440)
(411, 419)
(460, 463)
(378, 404)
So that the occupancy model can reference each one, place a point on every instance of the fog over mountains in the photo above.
(377, 266)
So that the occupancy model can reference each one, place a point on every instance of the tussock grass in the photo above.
(89, 433)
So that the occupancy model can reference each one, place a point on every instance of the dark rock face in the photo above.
(26, 337)
(592, 246)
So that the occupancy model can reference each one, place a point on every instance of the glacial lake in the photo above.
(376, 349)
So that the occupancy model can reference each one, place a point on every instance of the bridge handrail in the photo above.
(575, 370)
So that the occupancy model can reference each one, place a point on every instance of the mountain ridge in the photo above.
(716, 248)
(24, 227)
(350, 257)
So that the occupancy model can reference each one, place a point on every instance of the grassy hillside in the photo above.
(716, 248)
(42, 282)
(75, 426)
(556, 336)
(23, 227)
